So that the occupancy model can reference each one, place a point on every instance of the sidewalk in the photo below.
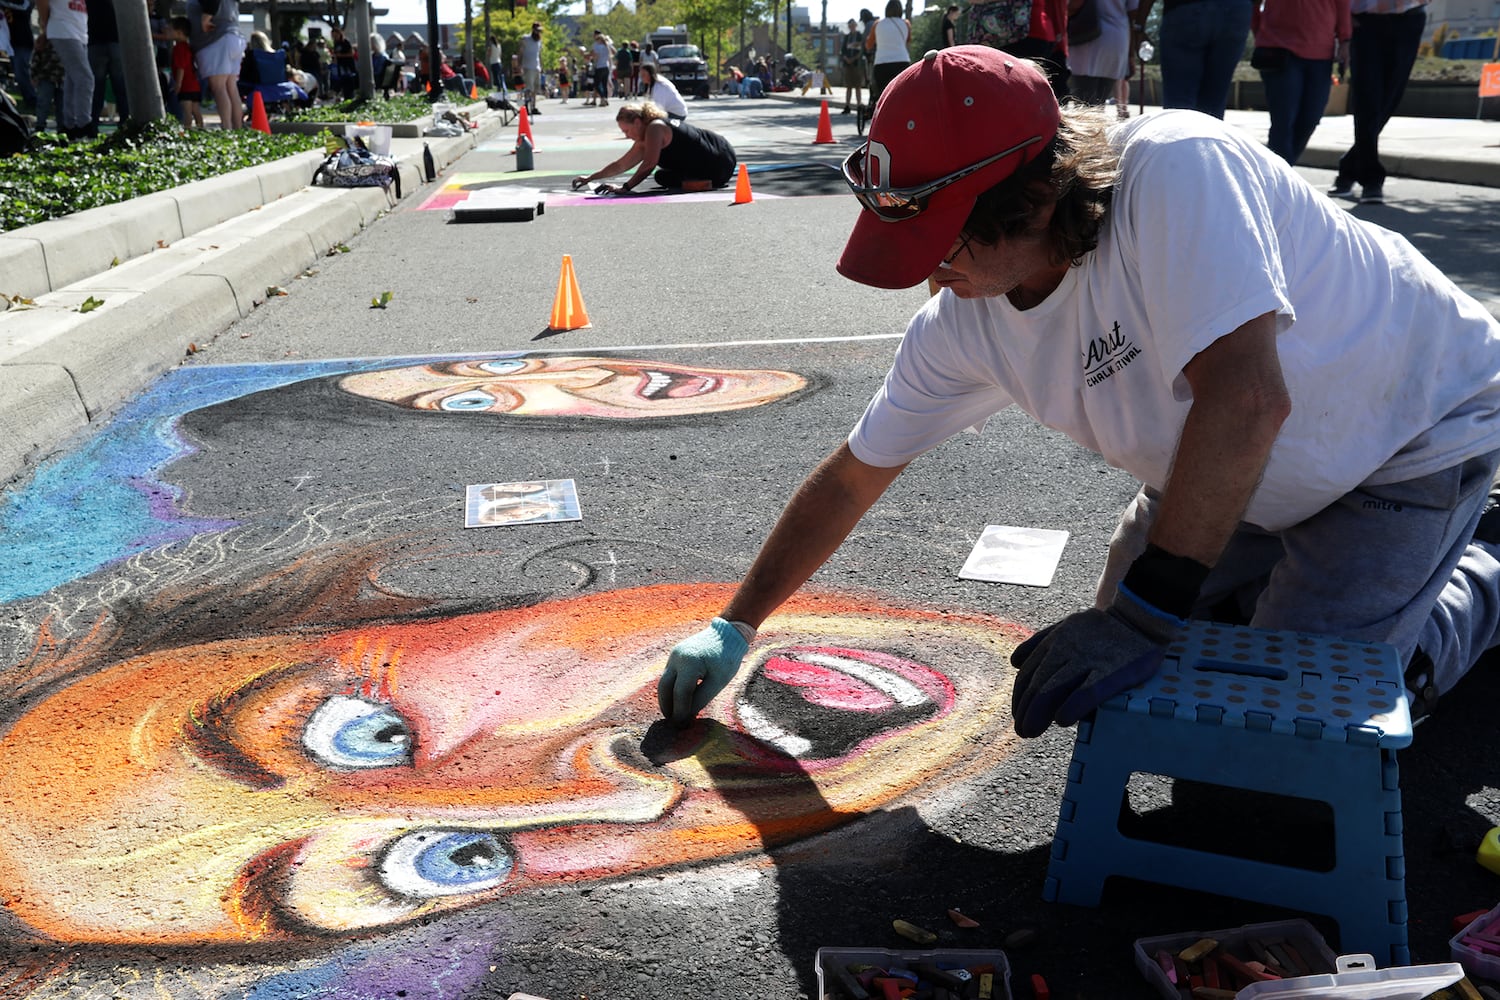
(1453, 150)
(178, 268)
(173, 270)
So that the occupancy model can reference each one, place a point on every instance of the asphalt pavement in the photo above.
(279, 530)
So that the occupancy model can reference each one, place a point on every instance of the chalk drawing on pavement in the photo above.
(115, 493)
(313, 782)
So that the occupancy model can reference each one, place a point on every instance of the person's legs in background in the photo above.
(107, 61)
(1317, 82)
(1182, 37)
(1228, 29)
(1095, 90)
(1381, 56)
(47, 105)
(1283, 85)
(21, 59)
(78, 87)
(1201, 43)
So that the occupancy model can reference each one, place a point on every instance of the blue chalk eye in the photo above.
(507, 367)
(431, 863)
(354, 733)
(474, 399)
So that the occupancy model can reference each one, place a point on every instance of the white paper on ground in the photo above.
(1009, 554)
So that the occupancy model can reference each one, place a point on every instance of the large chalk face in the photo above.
(304, 784)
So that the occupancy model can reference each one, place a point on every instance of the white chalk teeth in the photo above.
(656, 383)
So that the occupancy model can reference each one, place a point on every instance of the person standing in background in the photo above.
(64, 28)
(887, 44)
(1387, 35)
(950, 27)
(344, 75)
(17, 14)
(1201, 43)
(106, 59)
(531, 66)
(187, 91)
(1296, 43)
(1098, 65)
(218, 48)
(624, 72)
(852, 63)
(495, 57)
(603, 53)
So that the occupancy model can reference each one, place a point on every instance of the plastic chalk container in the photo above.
(1299, 933)
(830, 960)
(1484, 964)
(1358, 979)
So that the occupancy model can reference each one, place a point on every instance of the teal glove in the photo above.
(698, 669)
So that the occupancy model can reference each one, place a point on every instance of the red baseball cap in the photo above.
(957, 122)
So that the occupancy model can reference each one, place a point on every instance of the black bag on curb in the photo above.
(15, 130)
(356, 166)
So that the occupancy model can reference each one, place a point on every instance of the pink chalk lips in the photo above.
(822, 703)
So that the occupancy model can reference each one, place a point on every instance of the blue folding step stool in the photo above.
(1281, 712)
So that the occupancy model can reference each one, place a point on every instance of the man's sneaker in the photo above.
(1341, 189)
(1421, 692)
(1372, 195)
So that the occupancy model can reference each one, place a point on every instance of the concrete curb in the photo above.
(173, 269)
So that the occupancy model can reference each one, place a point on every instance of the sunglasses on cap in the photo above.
(899, 204)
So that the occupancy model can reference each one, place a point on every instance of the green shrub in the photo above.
(396, 108)
(59, 177)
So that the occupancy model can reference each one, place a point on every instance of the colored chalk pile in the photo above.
(922, 981)
(1205, 970)
(1476, 946)
(1216, 965)
(878, 974)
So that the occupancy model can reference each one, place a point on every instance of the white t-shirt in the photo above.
(664, 95)
(493, 54)
(69, 19)
(1394, 373)
(891, 34)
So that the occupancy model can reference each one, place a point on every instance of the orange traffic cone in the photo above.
(258, 119)
(523, 127)
(473, 91)
(742, 194)
(825, 126)
(567, 308)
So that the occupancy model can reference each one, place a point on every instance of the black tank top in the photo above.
(698, 154)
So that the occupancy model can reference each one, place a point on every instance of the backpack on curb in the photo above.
(15, 130)
(356, 166)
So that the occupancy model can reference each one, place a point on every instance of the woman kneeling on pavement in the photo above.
(663, 93)
(684, 156)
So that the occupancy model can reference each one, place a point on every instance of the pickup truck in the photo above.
(685, 66)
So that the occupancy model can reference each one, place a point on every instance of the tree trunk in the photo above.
(469, 41)
(142, 85)
(359, 17)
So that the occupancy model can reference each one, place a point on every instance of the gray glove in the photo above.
(1069, 669)
(699, 668)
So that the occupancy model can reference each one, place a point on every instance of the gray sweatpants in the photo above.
(1393, 563)
(77, 108)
